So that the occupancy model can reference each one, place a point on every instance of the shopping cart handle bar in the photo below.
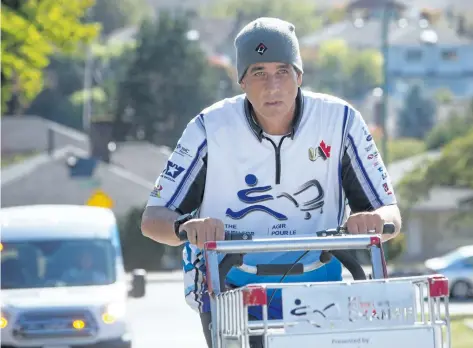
(295, 244)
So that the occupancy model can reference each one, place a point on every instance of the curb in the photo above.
(162, 277)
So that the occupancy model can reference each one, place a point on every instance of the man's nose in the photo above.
(273, 83)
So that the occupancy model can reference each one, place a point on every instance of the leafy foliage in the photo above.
(32, 31)
(455, 126)
(418, 115)
(110, 64)
(402, 148)
(303, 16)
(395, 247)
(169, 81)
(117, 14)
(139, 251)
(340, 70)
(453, 168)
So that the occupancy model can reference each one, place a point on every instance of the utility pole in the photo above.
(385, 97)
(88, 81)
(387, 7)
(87, 87)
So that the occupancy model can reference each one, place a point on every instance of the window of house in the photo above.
(413, 55)
(449, 55)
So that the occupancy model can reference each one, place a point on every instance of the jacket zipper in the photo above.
(277, 151)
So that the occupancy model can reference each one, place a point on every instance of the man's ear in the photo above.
(299, 79)
(243, 84)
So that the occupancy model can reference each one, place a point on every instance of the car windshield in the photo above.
(57, 263)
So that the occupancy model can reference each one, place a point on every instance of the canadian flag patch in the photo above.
(323, 150)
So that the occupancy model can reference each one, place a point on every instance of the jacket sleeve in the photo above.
(365, 179)
(180, 186)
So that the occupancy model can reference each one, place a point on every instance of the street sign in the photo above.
(100, 199)
(81, 167)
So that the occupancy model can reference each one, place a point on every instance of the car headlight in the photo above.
(113, 312)
(4, 320)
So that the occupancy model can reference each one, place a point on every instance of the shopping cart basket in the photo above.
(408, 312)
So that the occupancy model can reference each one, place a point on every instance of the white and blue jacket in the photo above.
(226, 167)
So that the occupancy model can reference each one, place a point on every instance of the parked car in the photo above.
(457, 266)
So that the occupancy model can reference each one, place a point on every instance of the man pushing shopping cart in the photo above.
(275, 165)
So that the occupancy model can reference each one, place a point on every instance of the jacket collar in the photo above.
(256, 128)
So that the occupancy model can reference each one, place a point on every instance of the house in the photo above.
(429, 224)
(195, 5)
(375, 8)
(436, 54)
(127, 176)
(399, 8)
(45, 179)
(358, 33)
(432, 226)
(461, 8)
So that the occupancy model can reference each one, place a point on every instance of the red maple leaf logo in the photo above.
(325, 149)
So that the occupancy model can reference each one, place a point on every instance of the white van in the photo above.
(63, 281)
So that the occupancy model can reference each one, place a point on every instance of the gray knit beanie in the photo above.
(267, 40)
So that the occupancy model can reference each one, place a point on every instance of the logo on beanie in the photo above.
(261, 48)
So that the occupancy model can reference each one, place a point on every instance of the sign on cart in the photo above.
(356, 305)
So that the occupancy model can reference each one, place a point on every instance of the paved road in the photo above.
(158, 319)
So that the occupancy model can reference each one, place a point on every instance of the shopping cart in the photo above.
(409, 312)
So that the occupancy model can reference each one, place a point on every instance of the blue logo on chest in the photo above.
(255, 194)
(244, 196)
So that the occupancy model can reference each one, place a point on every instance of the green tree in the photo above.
(334, 14)
(138, 250)
(402, 148)
(169, 81)
(395, 247)
(65, 76)
(326, 73)
(456, 125)
(417, 117)
(443, 96)
(32, 31)
(363, 72)
(62, 100)
(453, 168)
(303, 16)
(117, 14)
(110, 64)
(346, 72)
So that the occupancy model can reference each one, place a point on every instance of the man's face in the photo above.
(271, 88)
(87, 260)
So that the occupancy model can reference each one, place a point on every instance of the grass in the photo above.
(462, 335)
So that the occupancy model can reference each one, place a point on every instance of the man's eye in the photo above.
(283, 71)
(259, 73)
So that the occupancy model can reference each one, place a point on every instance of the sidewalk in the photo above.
(163, 277)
